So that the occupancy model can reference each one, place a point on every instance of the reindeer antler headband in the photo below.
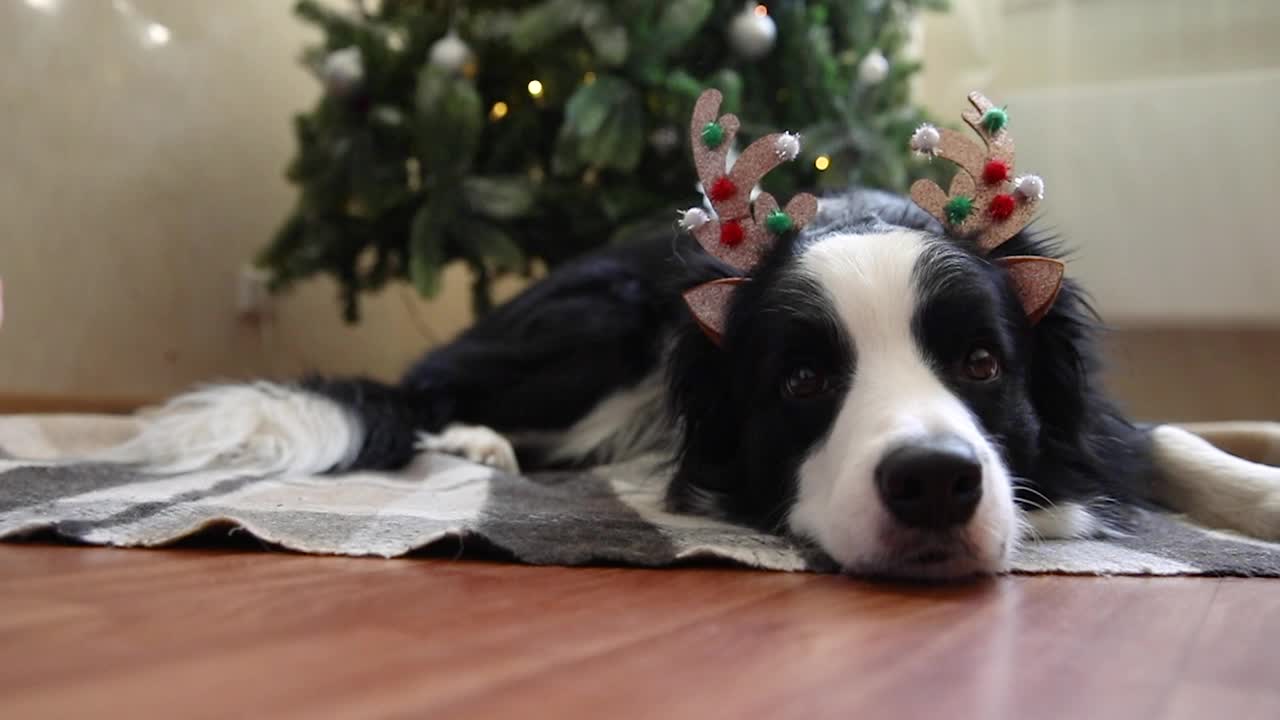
(743, 230)
(986, 202)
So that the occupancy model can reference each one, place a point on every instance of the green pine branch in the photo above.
(418, 166)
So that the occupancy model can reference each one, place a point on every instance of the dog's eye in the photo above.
(981, 365)
(803, 382)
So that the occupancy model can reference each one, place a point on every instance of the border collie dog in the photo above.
(878, 392)
(908, 387)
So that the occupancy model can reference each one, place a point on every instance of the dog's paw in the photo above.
(474, 442)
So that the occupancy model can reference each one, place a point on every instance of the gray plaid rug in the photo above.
(606, 515)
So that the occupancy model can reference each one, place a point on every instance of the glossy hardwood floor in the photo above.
(101, 633)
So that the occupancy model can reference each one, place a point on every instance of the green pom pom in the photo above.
(712, 134)
(995, 120)
(958, 208)
(778, 222)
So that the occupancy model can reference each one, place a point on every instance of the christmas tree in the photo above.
(494, 132)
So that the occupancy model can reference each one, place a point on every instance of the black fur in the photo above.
(599, 325)
(390, 418)
(1063, 438)
(742, 438)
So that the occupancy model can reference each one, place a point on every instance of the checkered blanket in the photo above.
(609, 514)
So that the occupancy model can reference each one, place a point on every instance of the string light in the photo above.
(498, 111)
(535, 88)
(822, 162)
(761, 10)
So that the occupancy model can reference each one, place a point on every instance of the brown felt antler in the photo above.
(985, 201)
(742, 230)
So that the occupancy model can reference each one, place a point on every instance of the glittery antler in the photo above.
(985, 201)
(742, 231)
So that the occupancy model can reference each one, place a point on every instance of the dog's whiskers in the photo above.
(1028, 489)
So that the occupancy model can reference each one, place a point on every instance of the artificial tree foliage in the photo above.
(566, 125)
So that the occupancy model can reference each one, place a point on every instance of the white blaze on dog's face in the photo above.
(906, 480)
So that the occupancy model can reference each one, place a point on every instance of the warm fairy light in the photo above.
(588, 78)
(157, 35)
(761, 10)
(822, 162)
(498, 111)
(48, 6)
(535, 88)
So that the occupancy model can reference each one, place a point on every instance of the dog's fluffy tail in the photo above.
(1222, 475)
(317, 425)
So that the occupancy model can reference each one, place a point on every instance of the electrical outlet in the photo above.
(253, 298)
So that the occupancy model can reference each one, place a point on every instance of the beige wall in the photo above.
(1015, 45)
(137, 178)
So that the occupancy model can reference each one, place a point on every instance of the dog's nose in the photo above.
(932, 483)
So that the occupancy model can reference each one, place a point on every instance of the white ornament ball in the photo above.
(1030, 187)
(751, 35)
(343, 71)
(450, 53)
(925, 140)
(694, 218)
(874, 68)
(788, 146)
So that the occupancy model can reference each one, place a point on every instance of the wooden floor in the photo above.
(89, 632)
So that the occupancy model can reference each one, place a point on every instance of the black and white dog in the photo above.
(877, 390)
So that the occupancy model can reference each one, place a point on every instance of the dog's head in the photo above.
(880, 391)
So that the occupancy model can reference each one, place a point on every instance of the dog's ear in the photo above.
(1064, 365)
(1086, 444)
(700, 392)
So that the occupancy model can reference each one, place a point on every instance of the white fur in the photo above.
(476, 443)
(1067, 521)
(260, 428)
(1215, 488)
(625, 424)
(895, 397)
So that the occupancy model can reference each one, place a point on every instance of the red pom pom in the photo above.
(995, 171)
(1002, 206)
(730, 233)
(723, 189)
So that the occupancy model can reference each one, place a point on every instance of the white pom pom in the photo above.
(1030, 187)
(788, 146)
(694, 218)
(925, 140)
